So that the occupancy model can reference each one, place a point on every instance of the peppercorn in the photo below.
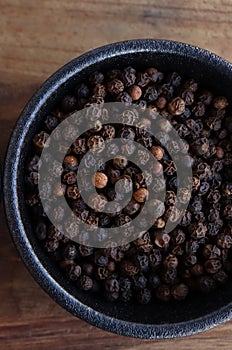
(79, 146)
(154, 281)
(161, 238)
(144, 296)
(129, 76)
(227, 213)
(197, 230)
(124, 185)
(180, 291)
(135, 92)
(85, 283)
(163, 293)
(128, 268)
(206, 97)
(73, 272)
(197, 270)
(96, 78)
(68, 104)
(170, 262)
(51, 122)
(96, 144)
(41, 231)
(120, 162)
(72, 192)
(176, 106)
(115, 86)
(188, 97)
(169, 167)
(161, 102)
(53, 233)
(158, 152)
(100, 180)
(40, 140)
(140, 195)
(164, 264)
(150, 93)
(51, 246)
(206, 284)
(220, 277)
(199, 109)
(124, 97)
(69, 178)
(220, 102)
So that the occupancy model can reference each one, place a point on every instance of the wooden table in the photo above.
(37, 37)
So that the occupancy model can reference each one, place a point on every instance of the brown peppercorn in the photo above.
(100, 180)
(135, 92)
(176, 106)
(70, 163)
(115, 86)
(158, 152)
(219, 152)
(220, 102)
(140, 195)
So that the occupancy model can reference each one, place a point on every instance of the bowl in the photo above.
(164, 320)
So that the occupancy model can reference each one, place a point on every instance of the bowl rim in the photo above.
(12, 210)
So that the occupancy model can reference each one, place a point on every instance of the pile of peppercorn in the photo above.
(196, 255)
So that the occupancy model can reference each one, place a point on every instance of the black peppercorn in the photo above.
(129, 76)
(143, 296)
(180, 291)
(85, 283)
(163, 293)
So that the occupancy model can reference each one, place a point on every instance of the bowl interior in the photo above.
(212, 73)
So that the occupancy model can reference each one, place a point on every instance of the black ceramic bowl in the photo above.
(152, 321)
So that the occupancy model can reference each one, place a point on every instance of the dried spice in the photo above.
(158, 264)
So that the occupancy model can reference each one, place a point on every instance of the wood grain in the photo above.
(37, 37)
